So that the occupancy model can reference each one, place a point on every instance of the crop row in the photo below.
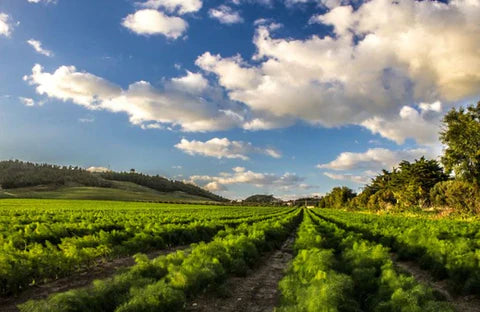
(337, 270)
(26, 261)
(449, 249)
(163, 284)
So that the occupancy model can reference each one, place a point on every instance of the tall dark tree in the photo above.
(407, 185)
(461, 135)
(338, 197)
(411, 182)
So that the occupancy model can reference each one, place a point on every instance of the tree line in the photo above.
(453, 182)
(17, 174)
(161, 184)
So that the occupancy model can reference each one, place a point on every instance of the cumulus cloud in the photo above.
(225, 15)
(242, 176)
(423, 52)
(5, 26)
(193, 83)
(375, 159)
(145, 105)
(409, 124)
(174, 6)
(37, 46)
(215, 187)
(153, 22)
(224, 148)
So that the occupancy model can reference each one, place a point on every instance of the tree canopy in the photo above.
(461, 135)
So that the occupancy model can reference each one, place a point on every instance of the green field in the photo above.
(340, 261)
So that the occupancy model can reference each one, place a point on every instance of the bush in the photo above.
(459, 195)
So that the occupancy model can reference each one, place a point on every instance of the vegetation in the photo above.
(262, 199)
(426, 183)
(342, 259)
(30, 180)
(449, 249)
(406, 186)
(161, 184)
(461, 135)
(164, 283)
(337, 198)
(15, 174)
(42, 240)
(338, 270)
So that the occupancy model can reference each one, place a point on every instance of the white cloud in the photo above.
(348, 177)
(225, 15)
(144, 104)
(174, 6)
(27, 101)
(193, 83)
(224, 148)
(5, 26)
(375, 159)
(215, 187)
(242, 176)
(153, 22)
(431, 107)
(268, 23)
(37, 45)
(423, 52)
(409, 124)
(233, 73)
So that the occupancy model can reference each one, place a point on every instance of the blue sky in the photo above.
(287, 97)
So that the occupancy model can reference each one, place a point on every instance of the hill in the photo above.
(262, 199)
(30, 180)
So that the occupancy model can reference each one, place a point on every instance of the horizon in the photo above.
(289, 98)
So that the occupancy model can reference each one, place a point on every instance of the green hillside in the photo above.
(28, 180)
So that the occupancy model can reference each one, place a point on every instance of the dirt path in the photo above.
(460, 303)
(257, 292)
(81, 279)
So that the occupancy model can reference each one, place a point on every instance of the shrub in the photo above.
(459, 195)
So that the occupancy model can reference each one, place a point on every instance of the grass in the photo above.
(123, 191)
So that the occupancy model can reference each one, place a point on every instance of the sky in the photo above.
(283, 97)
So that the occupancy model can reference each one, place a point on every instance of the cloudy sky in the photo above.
(289, 97)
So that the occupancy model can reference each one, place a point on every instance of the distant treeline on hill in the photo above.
(160, 184)
(262, 199)
(16, 174)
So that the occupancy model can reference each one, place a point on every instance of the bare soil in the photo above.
(257, 292)
(102, 269)
(460, 303)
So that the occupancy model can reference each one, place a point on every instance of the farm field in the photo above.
(69, 255)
